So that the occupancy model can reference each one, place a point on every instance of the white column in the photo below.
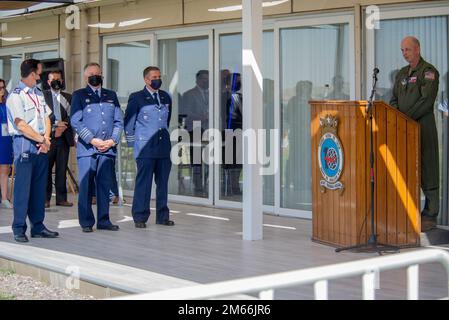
(84, 50)
(67, 42)
(252, 118)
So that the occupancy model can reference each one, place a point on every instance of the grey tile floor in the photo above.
(202, 249)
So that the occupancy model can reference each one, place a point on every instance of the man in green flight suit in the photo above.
(414, 94)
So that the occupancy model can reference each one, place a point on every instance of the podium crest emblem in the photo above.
(330, 155)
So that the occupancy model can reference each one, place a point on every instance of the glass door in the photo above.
(10, 70)
(124, 59)
(185, 64)
(314, 64)
(229, 115)
(430, 26)
(12, 57)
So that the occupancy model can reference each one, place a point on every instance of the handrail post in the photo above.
(321, 290)
(413, 282)
(369, 283)
(266, 295)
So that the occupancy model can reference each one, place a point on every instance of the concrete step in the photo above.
(99, 278)
(435, 237)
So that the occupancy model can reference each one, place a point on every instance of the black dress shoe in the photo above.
(167, 223)
(141, 225)
(64, 204)
(111, 227)
(21, 238)
(45, 234)
(88, 229)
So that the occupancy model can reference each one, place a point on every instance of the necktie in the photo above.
(155, 98)
(206, 97)
(57, 107)
(97, 93)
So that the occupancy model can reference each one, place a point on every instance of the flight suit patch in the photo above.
(429, 75)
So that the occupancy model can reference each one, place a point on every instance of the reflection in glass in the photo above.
(434, 50)
(184, 65)
(42, 55)
(125, 64)
(10, 70)
(268, 108)
(231, 175)
(230, 115)
(232, 165)
(314, 65)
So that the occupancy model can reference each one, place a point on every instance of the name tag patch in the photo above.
(412, 80)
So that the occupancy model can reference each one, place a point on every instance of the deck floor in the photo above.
(202, 249)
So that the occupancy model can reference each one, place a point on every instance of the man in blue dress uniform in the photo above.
(29, 124)
(147, 120)
(97, 119)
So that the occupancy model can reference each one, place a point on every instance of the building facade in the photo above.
(312, 50)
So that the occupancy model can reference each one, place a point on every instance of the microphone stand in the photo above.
(372, 245)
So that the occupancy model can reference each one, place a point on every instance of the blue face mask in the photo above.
(156, 84)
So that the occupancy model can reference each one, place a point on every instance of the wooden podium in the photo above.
(341, 174)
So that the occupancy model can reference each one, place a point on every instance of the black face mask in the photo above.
(156, 84)
(56, 85)
(95, 80)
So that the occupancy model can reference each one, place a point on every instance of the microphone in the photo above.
(375, 72)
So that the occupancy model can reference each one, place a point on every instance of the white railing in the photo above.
(266, 285)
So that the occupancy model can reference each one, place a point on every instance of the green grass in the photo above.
(4, 272)
(6, 297)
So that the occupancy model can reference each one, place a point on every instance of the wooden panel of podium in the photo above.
(341, 193)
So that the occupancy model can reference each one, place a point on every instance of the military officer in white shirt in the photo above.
(29, 124)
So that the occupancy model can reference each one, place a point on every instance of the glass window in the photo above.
(268, 107)
(10, 70)
(124, 75)
(307, 72)
(42, 55)
(10, 65)
(184, 66)
(231, 116)
(433, 35)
